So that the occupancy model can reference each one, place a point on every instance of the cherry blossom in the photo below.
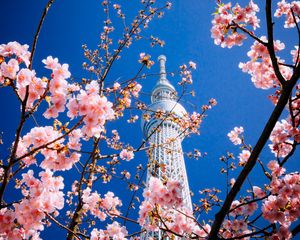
(145, 59)
(281, 138)
(295, 53)
(284, 8)
(56, 155)
(224, 29)
(192, 64)
(95, 109)
(51, 63)
(100, 207)
(113, 231)
(260, 66)
(42, 196)
(283, 205)
(234, 135)
(10, 69)
(12, 49)
(258, 192)
(126, 155)
(244, 156)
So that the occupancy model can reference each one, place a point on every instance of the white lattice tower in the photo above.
(165, 136)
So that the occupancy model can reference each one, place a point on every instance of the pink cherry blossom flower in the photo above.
(244, 156)
(192, 64)
(51, 63)
(126, 155)
(24, 77)
(284, 8)
(258, 192)
(224, 32)
(10, 69)
(234, 135)
(61, 71)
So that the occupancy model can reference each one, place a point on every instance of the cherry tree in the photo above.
(79, 116)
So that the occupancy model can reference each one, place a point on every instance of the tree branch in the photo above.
(270, 45)
(296, 230)
(219, 217)
(64, 227)
(36, 36)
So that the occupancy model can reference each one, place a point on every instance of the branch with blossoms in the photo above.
(266, 70)
(86, 106)
(89, 106)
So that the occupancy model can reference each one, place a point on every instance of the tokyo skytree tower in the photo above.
(159, 133)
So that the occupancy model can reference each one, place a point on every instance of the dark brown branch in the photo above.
(253, 233)
(286, 65)
(250, 34)
(15, 146)
(248, 202)
(296, 230)
(270, 45)
(133, 195)
(36, 36)
(49, 143)
(23, 103)
(286, 158)
(124, 218)
(287, 90)
(219, 217)
(76, 216)
(255, 219)
(122, 45)
(298, 30)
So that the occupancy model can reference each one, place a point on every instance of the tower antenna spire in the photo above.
(162, 68)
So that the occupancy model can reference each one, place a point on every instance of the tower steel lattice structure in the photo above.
(166, 138)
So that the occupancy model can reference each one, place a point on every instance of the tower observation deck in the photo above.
(159, 133)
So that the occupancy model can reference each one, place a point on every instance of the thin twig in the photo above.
(66, 228)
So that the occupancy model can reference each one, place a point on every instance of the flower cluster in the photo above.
(57, 155)
(166, 195)
(95, 109)
(113, 231)
(244, 156)
(126, 155)
(260, 66)
(240, 210)
(132, 89)
(245, 210)
(190, 122)
(16, 49)
(283, 205)
(163, 202)
(100, 207)
(281, 138)
(42, 196)
(295, 53)
(287, 9)
(235, 228)
(183, 223)
(157, 193)
(226, 22)
(235, 135)
(58, 86)
(186, 73)
(145, 59)
(12, 73)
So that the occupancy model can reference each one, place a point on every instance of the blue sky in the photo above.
(186, 31)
